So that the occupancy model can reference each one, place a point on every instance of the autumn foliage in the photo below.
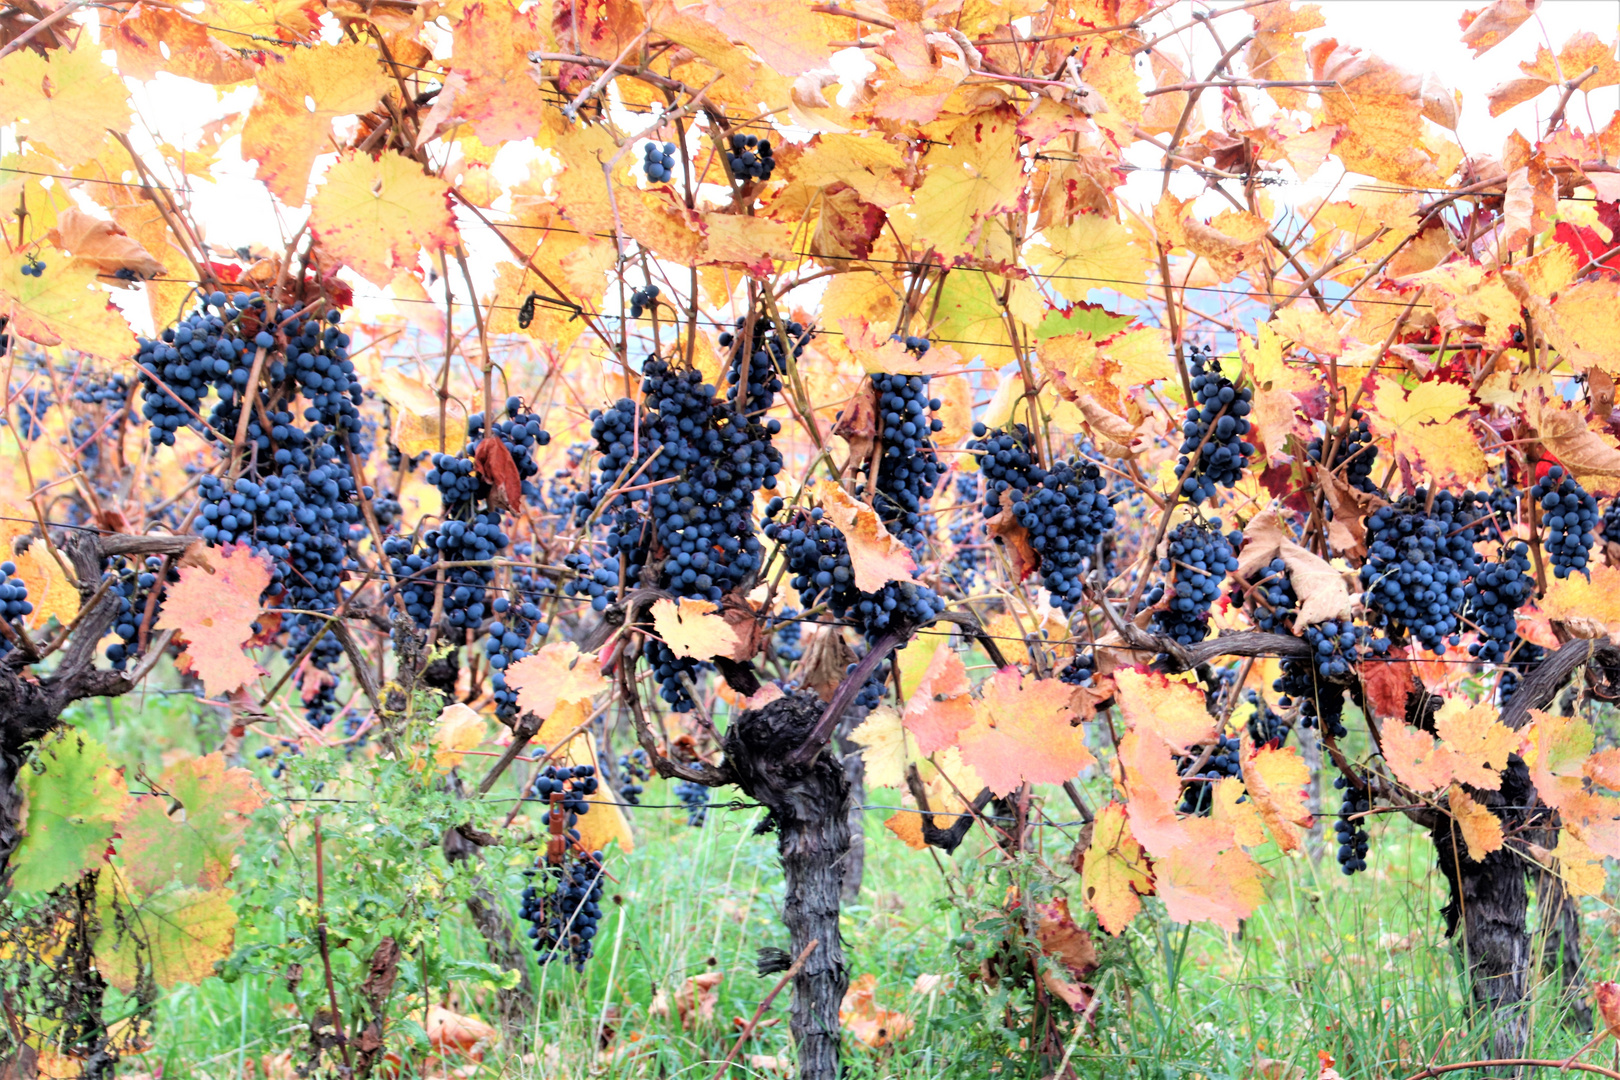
(1062, 224)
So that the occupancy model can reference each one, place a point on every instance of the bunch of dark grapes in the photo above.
(1351, 829)
(408, 571)
(1066, 515)
(1198, 797)
(1009, 463)
(1610, 526)
(1080, 668)
(574, 783)
(658, 161)
(316, 683)
(817, 556)
(788, 634)
(1419, 559)
(110, 391)
(1503, 500)
(521, 434)
(507, 643)
(1266, 726)
(206, 350)
(316, 358)
(699, 461)
(695, 797)
(750, 157)
(14, 602)
(1570, 516)
(1494, 596)
(131, 588)
(1197, 559)
(756, 365)
(457, 483)
(643, 299)
(562, 906)
(1274, 599)
(632, 771)
(467, 548)
(32, 406)
(34, 267)
(1319, 680)
(1355, 454)
(968, 535)
(908, 468)
(1213, 430)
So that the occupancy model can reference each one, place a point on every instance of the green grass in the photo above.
(1354, 967)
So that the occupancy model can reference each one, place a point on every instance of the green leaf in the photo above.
(194, 840)
(72, 805)
(1082, 318)
(970, 317)
(178, 932)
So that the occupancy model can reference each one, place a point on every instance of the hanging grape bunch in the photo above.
(766, 359)
(34, 267)
(695, 798)
(658, 161)
(14, 603)
(643, 300)
(1354, 455)
(1214, 452)
(1419, 559)
(1351, 828)
(1008, 460)
(908, 469)
(633, 769)
(1198, 797)
(1494, 597)
(560, 901)
(1569, 514)
(1197, 558)
(750, 157)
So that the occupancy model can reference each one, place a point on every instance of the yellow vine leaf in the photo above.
(1176, 711)
(1481, 830)
(1276, 779)
(694, 628)
(458, 729)
(1477, 742)
(971, 175)
(65, 103)
(1430, 429)
(377, 215)
(1090, 252)
(1116, 873)
(179, 930)
(1209, 878)
(299, 97)
(558, 673)
(63, 307)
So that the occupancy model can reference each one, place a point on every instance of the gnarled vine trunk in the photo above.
(809, 807)
(1490, 901)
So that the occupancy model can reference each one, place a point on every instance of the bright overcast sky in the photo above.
(1419, 35)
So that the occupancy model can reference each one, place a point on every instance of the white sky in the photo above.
(1419, 35)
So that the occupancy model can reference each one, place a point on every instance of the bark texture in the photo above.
(1490, 900)
(809, 808)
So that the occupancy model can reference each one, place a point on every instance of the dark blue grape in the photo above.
(1570, 517)
(1213, 430)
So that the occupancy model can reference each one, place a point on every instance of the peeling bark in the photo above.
(809, 807)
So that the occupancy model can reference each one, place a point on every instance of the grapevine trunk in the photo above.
(809, 808)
